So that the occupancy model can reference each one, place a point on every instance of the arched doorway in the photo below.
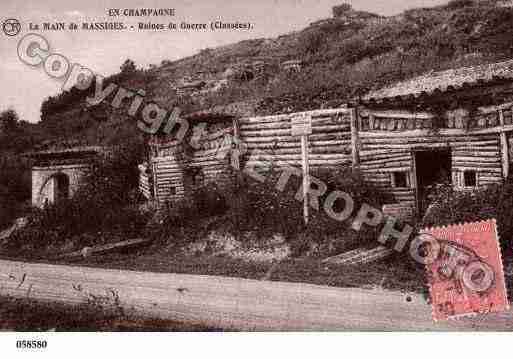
(55, 189)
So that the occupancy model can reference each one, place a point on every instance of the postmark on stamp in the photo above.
(465, 275)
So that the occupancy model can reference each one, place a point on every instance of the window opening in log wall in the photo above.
(400, 180)
(470, 178)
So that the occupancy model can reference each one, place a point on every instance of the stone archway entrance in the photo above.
(57, 175)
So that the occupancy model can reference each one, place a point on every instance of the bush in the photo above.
(458, 4)
(104, 207)
(505, 213)
(206, 201)
(340, 10)
(15, 184)
(260, 208)
(244, 205)
(58, 225)
(452, 207)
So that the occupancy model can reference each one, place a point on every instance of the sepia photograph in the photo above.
(277, 166)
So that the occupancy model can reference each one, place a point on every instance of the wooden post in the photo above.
(301, 126)
(354, 139)
(504, 147)
(236, 136)
(306, 177)
(154, 168)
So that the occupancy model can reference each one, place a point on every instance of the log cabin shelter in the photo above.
(449, 127)
(176, 167)
(58, 173)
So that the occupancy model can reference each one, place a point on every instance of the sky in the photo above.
(24, 87)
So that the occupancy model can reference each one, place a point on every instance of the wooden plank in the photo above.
(504, 147)
(354, 138)
(396, 114)
(230, 303)
(306, 177)
(313, 114)
(96, 250)
(442, 132)
(493, 109)
(390, 169)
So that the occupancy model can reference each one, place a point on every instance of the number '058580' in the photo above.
(31, 344)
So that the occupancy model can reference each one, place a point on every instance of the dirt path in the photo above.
(232, 303)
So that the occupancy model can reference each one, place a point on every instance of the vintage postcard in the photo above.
(255, 166)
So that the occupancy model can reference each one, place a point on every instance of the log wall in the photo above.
(478, 142)
(264, 139)
(144, 181)
(329, 145)
(179, 166)
(381, 156)
(385, 142)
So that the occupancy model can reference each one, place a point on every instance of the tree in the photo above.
(341, 10)
(9, 121)
(128, 66)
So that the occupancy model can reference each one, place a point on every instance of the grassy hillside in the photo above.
(340, 57)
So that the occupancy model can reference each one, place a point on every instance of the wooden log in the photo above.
(381, 152)
(391, 164)
(504, 147)
(442, 132)
(476, 159)
(342, 123)
(282, 139)
(297, 163)
(313, 114)
(389, 169)
(385, 160)
(398, 114)
(319, 125)
(264, 126)
(265, 120)
(154, 189)
(266, 133)
(468, 153)
(425, 139)
(168, 173)
(330, 142)
(490, 179)
(354, 138)
(107, 248)
(475, 167)
(495, 108)
(298, 156)
(228, 303)
(341, 150)
(378, 177)
(477, 143)
(412, 146)
(166, 187)
(277, 144)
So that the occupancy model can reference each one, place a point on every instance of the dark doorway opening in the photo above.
(61, 189)
(433, 169)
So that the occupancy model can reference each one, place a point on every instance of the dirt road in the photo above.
(232, 303)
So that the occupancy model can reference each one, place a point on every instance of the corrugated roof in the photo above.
(442, 81)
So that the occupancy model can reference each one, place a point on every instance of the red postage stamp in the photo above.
(465, 275)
